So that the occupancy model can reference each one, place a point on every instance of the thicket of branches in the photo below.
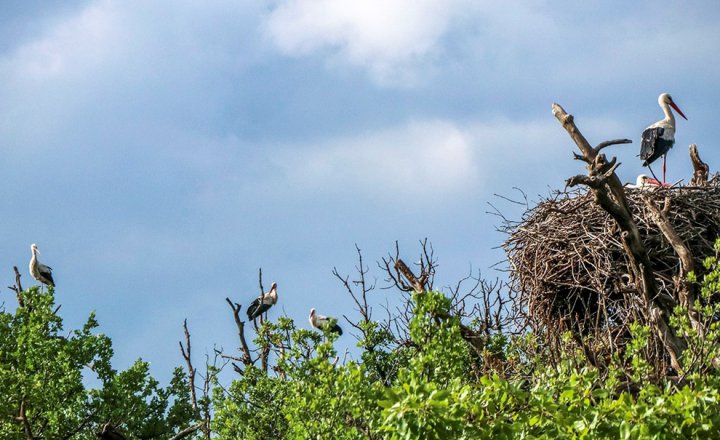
(572, 271)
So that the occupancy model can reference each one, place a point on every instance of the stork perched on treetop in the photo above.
(38, 270)
(324, 323)
(658, 138)
(263, 303)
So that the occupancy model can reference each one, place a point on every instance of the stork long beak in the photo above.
(677, 109)
(656, 182)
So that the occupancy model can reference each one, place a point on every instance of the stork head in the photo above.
(312, 313)
(34, 248)
(666, 99)
(643, 180)
(651, 181)
(273, 286)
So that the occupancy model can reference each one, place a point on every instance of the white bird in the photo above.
(644, 182)
(263, 303)
(659, 137)
(323, 322)
(38, 270)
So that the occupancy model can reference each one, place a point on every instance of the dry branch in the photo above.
(476, 340)
(186, 432)
(414, 281)
(191, 370)
(702, 170)
(17, 288)
(240, 324)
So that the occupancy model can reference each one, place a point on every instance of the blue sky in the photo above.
(160, 152)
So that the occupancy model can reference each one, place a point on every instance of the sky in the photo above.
(160, 153)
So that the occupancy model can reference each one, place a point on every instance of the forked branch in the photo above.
(610, 196)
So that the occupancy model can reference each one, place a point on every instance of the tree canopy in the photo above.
(426, 372)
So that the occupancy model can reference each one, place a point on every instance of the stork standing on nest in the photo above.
(323, 322)
(263, 303)
(38, 270)
(658, 138)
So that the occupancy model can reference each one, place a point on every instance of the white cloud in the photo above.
(441, 158)
(419, 157)
(390, 38)
(79, 43)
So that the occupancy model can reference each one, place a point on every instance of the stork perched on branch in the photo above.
(659, 137)
(324, 323)
(263, 303)
(38, 270)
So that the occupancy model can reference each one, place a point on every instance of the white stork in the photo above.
(38, 270)
(658, 138)
(263, 303)
(323, 322)
(644, 181)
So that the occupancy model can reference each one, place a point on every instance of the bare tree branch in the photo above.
(606, 144)
(17, 288)
(191, 369)
(240, 324)
(186, 432)
(416, 284)
(702, 170)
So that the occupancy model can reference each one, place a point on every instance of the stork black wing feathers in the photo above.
(653, 146)
(336, 328)
(257, 308)
(48, 276)
(46, 272)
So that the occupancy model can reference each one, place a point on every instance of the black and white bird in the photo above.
(323, 322)
(263, 303)
(658, 138)
(38, 270)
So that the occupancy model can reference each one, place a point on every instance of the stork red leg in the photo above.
(664, 158)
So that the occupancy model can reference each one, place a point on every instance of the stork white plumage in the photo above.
(38, 270)
(263, 303)
(644, 181)
(324, 323)
(659, 137)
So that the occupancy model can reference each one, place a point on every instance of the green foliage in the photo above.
(429, 384)
(43, 375)
(310, 397)
(435, 395)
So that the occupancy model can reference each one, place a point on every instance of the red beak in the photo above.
(677, 110)
(656, 182)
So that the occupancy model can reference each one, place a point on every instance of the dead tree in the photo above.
(610, 195)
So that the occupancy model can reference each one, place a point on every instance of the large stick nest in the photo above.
(568, 264)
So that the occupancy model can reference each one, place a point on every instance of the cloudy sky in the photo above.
(160, 152)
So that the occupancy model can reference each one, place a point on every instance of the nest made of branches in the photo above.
(568, 263)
